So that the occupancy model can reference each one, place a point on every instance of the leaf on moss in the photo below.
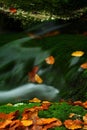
(71, 115)
(53, 124)
(73, 124)
(84, 104)
(44, 121)
(35, 100)
(9, 116)
(85, 118)
(77, 103)
(5, 124)
(27, 122)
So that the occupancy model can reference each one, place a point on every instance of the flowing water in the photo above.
(64, 79)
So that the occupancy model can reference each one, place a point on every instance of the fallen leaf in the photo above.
(5, 124)
(44, 121)
(12, 10)
(13, 115)
(50, 60)
(84, 65)
(78, 103)
(45, 105)
(38, 79)
(29, 114)
(84, 104)
(85, 118)
(32, 73)
(84, 127)
(35, 100)
(27, 122)
(72, 115)
(53, 124)
(77, 53)
(16, 124)
(73, 124)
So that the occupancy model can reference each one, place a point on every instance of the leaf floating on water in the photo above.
(50, 60)
(38, 79)
(77, 53)
(84, 65)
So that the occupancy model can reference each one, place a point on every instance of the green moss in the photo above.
(57, 110)
(8, 109)
(62, 111)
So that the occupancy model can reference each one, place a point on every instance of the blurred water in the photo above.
(63, 79)
(27, 92)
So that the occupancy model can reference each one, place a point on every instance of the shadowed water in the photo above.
(27, 92)
(18, 57)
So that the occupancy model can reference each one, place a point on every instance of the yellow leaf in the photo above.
(50, 60)
(77, 53)
(27, 122)
(38, 79)
(35, 100)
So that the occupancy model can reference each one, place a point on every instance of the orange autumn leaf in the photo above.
(77, 53)
(13, 115)
(73, 124)
(44, 121)
(35, 100)
(45, 105)
(84, 104)
(46, 102)
(38, 79)
(78, 103)
(32, 73)
(84, 65)
(27, 122)
(29, 114)
(72, 115)
(50, 60)
(84, 127)
(12, 10)
(53, 124)
(5, 124)
(10, 116)
(85, 118)
(16, 124)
